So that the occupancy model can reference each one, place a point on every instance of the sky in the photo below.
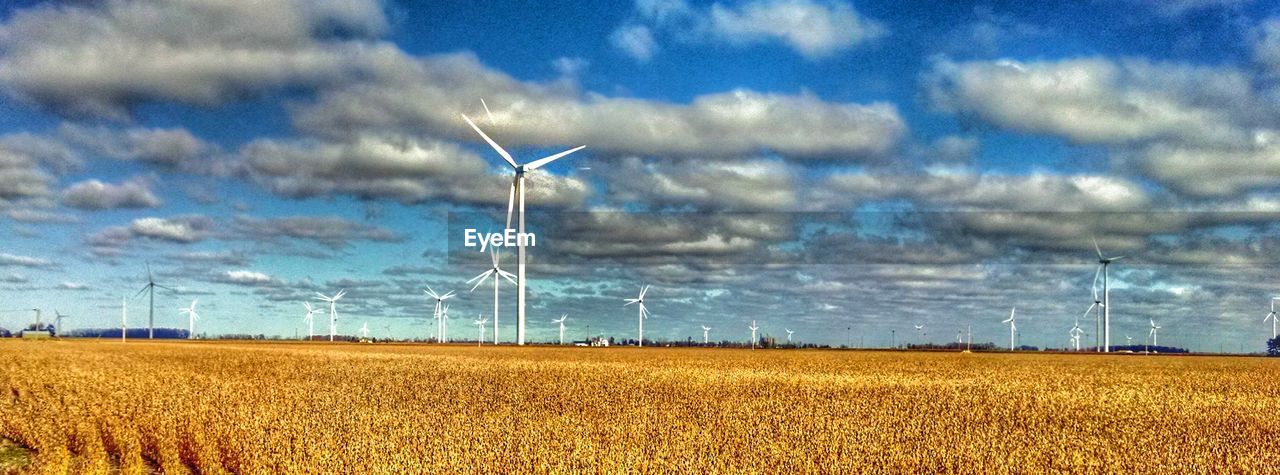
(843, 170)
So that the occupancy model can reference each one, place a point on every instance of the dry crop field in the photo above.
(89, 406)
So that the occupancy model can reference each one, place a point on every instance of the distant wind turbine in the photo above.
(444, 323)
(439, 312)
(497, 272)
(192, 316)
(57, 321)
(789, 333)
(705, 331)
(1076, 333)
(644, 313)
(1013, 328)
(364, 331)
(333, 310)
(480, 327)
(310, 319)
(518, 190)
(1271, 316)
(561, 322)
(1155, 336)
(753, 328)
(124, 318)
(150, 289)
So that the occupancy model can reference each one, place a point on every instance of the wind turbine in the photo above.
(364, 331)
(124, 318)
(1096, 307)
(1128, 341)
(310, 319)
(518, 188)
(753, 328)
(561, 322)
(150, 289)
(1104, 263)
(192, 316)
(1271, 316)
(1076, 333)
(480, 326)
(919, 331)
(57, 321)
(644, 313)
(705, 331)
(333, 310)
(439, 306)
(789, 332)
(444, 323)
(1013, 328)
(1155, 336)
(497, 272)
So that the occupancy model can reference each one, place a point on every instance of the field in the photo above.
(86, 406)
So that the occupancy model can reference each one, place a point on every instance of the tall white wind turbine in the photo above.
(310, 319)
(1105, 263)
(444, 323)
(497, 273)
(333, 310)
(789, 333)
(192, 316)
(705, 331)
(1096, 307)
(753, 328)
(1271, 316)
(561, 322)
(1155, 336)
(1013, 328)
(644, 313)
(518, 190)
(364, 331)
(439, 312)
(150, 289)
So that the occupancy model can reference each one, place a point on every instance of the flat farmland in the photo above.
(218, 407)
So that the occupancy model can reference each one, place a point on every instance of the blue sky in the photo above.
(808, 164)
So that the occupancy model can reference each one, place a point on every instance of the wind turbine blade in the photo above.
(481, 276)
(1096, 275)
(144, 289)
(149, 278)
(505, 156)
(166, 288)
(1095, 247)
(493, 256)
(486, 111)
(1086, 312)
(630, 301)
(322, 296)
(1116, 258)
(643, 290)
(479, 280)
(340, 294)
(511, 200)
(534, 165)
(431, 292)
(509, 276)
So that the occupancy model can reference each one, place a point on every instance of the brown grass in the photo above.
(85, 406)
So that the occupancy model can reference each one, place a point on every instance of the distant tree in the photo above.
(1273, 347)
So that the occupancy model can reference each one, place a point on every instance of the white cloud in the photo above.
(971, 191)
(636, 41)
(1214, 171)
(704, 184)
(101, 59)
(166, 147)
(247, 277)
(815, 29)
(73, 286)
(1098, 100)
(7, 259)
(181, 229)
(428, 96)
(93, 194)
(1266, 45)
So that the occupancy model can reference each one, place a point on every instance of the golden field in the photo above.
(90, 406)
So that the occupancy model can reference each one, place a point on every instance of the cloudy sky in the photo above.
(847, 170)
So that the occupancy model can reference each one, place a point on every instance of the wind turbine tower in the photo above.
(705, 331)
(150, 289)
(1013, 329)
(753, 334)
(561, 322)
